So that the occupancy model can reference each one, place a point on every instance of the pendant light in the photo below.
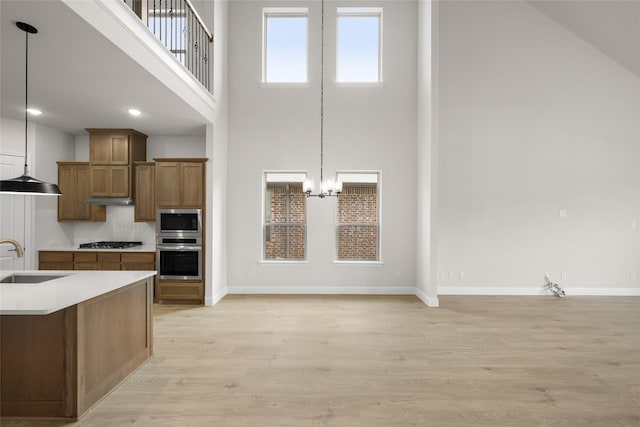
(328, 187)
(25, 184)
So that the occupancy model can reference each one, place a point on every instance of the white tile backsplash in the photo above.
(120, 226)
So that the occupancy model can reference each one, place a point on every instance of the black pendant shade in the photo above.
(25, 184)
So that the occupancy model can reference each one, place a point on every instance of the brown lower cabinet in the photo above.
(84, 260)
(180, 290)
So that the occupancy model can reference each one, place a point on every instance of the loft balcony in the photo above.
(177, 24)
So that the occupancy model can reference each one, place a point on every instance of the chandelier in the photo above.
(328, 187)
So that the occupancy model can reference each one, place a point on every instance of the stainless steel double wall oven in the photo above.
(179, 244)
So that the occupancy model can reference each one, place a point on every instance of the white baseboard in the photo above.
(324, 290)
(432, 302)
(215, 298)
(503, 290)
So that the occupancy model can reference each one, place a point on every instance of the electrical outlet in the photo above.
(443, 275)
(462, 275)
(563, 214)
(563, 275)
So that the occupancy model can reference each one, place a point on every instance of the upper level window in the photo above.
(285, 216)
(359, 44)
(358, 222)
(284, 56)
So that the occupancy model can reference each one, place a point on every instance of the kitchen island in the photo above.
(68, 341)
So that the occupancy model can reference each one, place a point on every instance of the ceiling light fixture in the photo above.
(25, 184)
(134, 112)
(328, 187)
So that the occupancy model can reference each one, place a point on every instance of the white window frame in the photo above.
(294, 177)
(282, 12)
(340, 175)
(359, 12)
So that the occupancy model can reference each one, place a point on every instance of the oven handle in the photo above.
(178, 248)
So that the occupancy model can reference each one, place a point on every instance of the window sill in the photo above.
(359, 263)
(283, 262)
(359, 84)
(285, 85)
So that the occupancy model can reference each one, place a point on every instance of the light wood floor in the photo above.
(386, 361)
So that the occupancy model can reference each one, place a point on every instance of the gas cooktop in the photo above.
(109, 245)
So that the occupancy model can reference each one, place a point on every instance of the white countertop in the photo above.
(56, 294)
(75, 248)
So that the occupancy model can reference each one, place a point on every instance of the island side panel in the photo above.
(37, 364)
(114, 339)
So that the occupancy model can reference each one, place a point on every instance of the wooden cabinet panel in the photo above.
(110, 181)
(112, 153)
(109, 149)
(55, 260)
(180, 183)
(100, 149)
(179, 291)
(119, 150)
(62, 260)
(119, 180)
(167, 184)
(145, 205)
(138, 257)
(75, 183)
(192, 178)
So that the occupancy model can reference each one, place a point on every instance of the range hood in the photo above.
(109, 201)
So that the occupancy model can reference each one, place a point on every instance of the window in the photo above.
(359, 44)
(284, 56)
(285, 216)
(358, 229)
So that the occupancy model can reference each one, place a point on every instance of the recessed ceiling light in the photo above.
(34, 111)
(134, 112)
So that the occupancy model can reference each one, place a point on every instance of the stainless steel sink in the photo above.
(30, 278)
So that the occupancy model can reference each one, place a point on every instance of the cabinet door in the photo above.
(100, 149)
(119, 181)
(110, 181)
(145, 206)
(67, 181)
(74, 179)
(100, 178)
(167, 184)
(192, 184)
(119, 149)
(109, 149)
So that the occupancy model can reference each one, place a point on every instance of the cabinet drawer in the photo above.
(184, 291)
(109, 266)
(109, 257)
(139, 266)
(144, 257)
(85, 257)
(55, 256)
(55, 265)
(86, 266)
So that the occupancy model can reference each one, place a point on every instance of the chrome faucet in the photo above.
(14, 243)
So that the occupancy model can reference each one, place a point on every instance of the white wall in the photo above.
(534, 121)
(366, 128)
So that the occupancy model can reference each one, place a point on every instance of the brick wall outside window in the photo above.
(285, 222)
(357, 233)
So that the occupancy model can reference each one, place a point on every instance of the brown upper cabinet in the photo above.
(111, 155)
(145, 207)
(74, 182)
(180, 183)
